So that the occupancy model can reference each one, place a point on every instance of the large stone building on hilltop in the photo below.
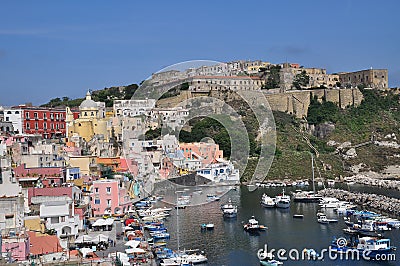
(373, 78)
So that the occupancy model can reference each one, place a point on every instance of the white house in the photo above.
(59, 214)
(15, 117)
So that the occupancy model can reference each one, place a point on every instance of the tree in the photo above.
(129, 91)
(301, 80)
(273, 78)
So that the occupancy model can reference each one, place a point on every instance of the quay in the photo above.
(368, 200)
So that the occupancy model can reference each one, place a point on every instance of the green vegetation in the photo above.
(357, 122)
(273, 79)
(107, 95)
(376, 116)
(208, 127)
(153, 133)
(301, 80)
(322, 112)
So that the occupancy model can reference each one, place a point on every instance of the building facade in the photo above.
(109, 197)
(373, 78)
(92, 120)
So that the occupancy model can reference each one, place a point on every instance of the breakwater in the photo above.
(368, 200)
(375, 182)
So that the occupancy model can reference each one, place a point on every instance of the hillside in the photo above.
(107, 95)
(376, 119)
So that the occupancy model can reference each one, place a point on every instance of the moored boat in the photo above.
(267, 201)
(369, 247)
(282, 201)
(253, 226)
(229, 210)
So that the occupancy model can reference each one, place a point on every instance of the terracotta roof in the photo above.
(43, 244)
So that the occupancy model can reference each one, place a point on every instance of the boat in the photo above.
(185, 259)
(308, 196)
(282, 201)
(229, 210)
(329, 203)
(267, 201)
(322, 219)
(298, 216)
(270, 262)
(208, 226)
(160, 236)
(370, 247)
(253, 226)
(211, 197)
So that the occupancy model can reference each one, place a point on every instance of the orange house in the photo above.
(113, 162)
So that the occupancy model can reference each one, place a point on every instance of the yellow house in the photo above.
(87, 164)
(92, 120)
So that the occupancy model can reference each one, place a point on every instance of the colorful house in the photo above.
(109, 198)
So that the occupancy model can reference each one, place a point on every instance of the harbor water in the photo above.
(229, 244)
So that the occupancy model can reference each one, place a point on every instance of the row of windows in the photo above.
(45, 116)
(108, 189)
(98, 201)
(58, 126)
(244, 82)
(9, 112)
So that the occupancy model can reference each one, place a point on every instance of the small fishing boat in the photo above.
(160, 236)
(322, 219)
(208, 226)
(253, 226)
(298, 216)
(211, 197)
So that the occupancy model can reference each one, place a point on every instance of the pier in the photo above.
(378, 202)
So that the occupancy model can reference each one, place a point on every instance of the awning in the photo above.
(99, 238)
(132, 243)
(83, 239)
(134, 250)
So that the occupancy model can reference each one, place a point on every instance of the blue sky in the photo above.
(53, 49)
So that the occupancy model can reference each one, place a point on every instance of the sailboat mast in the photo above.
(312, 167)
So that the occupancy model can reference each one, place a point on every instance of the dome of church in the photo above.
(88, 103)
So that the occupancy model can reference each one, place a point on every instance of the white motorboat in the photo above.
(267, 201)
(229, 210)
(282, 201)
(322, 219)
(185, 259)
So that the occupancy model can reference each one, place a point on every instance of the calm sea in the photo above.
(229, 244)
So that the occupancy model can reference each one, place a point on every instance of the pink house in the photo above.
(208, 152)
(109, 198)
(17, 245)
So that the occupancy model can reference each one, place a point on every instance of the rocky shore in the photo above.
(372, 201)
